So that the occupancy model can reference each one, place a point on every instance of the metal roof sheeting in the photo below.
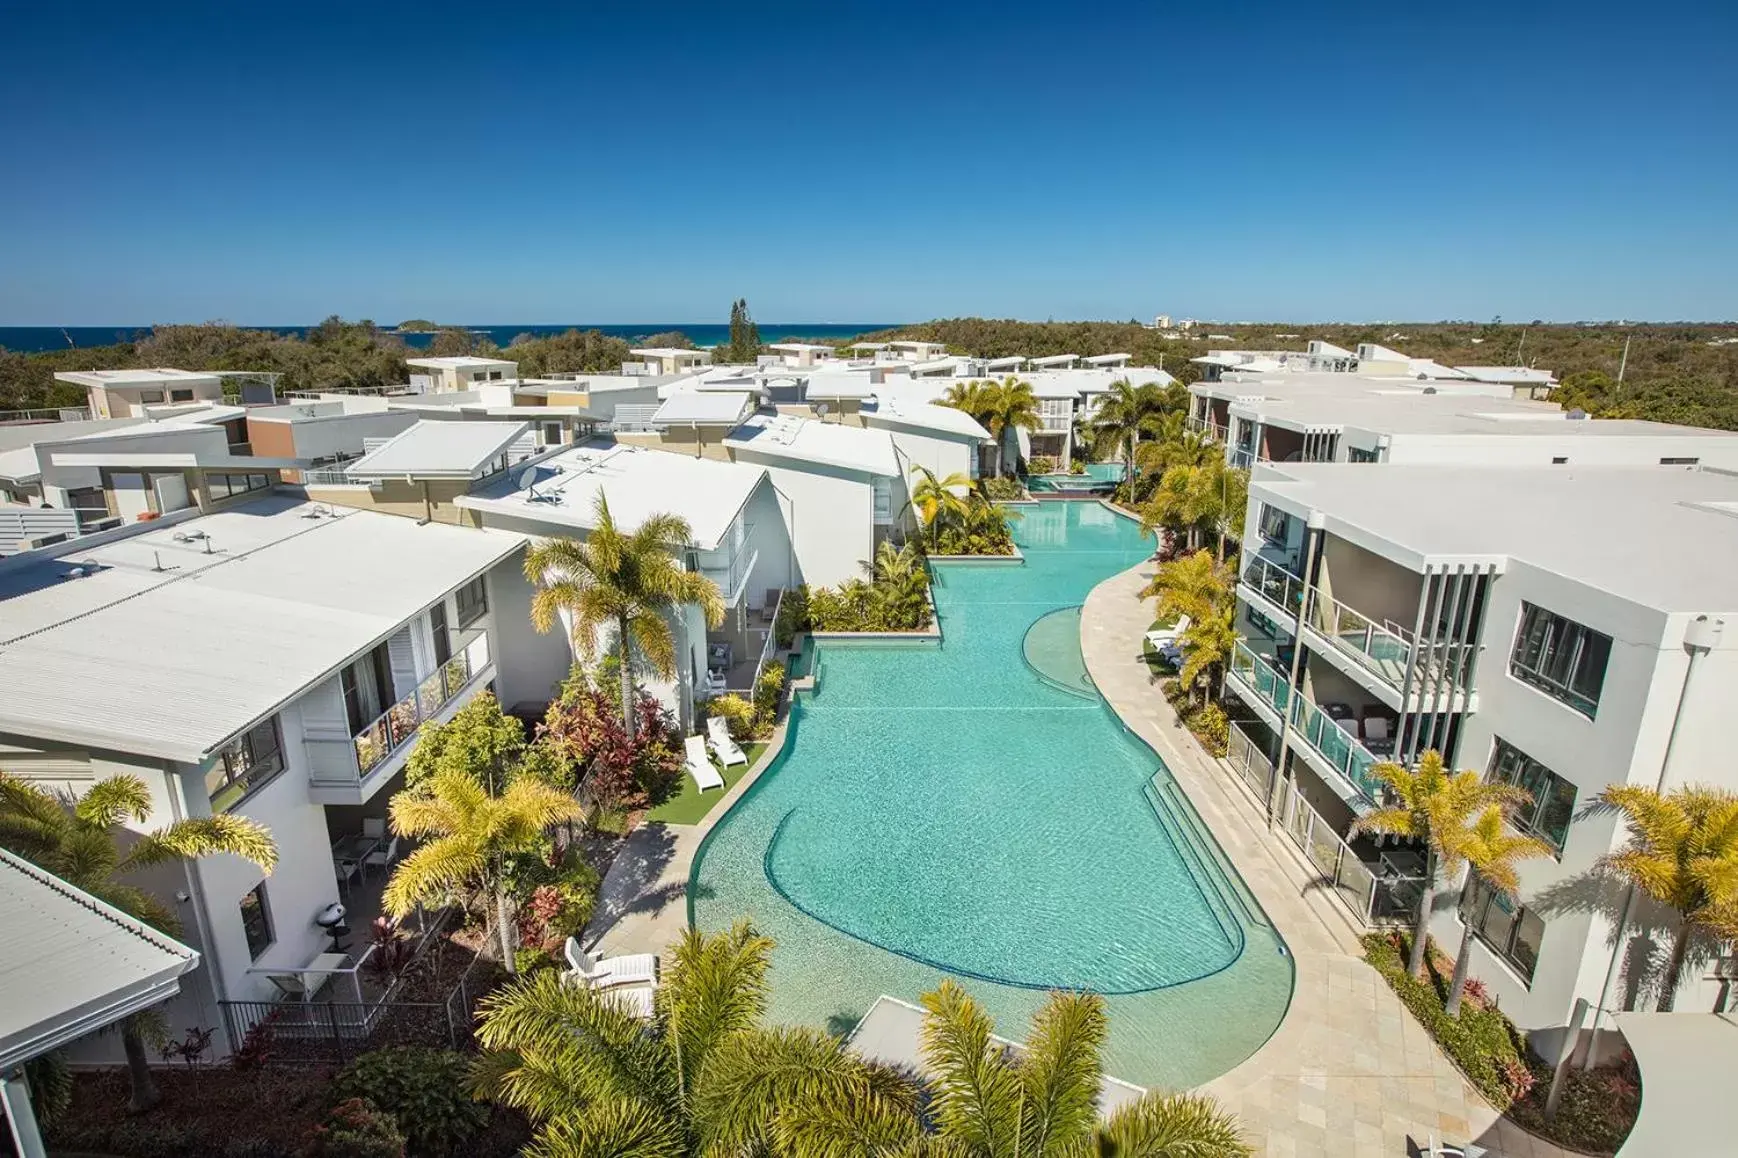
(172, 662)
(70, 964)
(436, 448)
(705, 408)
(801, 440)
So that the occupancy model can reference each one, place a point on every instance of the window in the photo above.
(148, 397)
(247, 762)
(180, 395)
(495, 375)
(223, 486)
(883, 499)
(437, 625)
(1679, 461)
(1275, 524)
(1553, 804)
(1359, 454)
(1512, 931)
(256, 921)
(1559, 460)
(472, 600)
(1561, 658)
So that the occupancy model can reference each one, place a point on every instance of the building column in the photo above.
(15, 1093)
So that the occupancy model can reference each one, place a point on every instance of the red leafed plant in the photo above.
(585, 727)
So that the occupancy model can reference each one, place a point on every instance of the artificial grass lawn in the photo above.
(688, 806)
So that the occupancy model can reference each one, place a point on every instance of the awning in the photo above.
(1687, 1061)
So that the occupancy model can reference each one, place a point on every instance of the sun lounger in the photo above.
(718, 733)
(634, 999)
(603, 972)
(1160, 636)
(700, 767)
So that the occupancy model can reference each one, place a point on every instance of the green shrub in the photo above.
(1004, 489)
(426, 1091)
(1209, 722)
(356, 1129)
(737, 713)
(767, 690)
(793, 616)
(1041, 464)
(529, 959)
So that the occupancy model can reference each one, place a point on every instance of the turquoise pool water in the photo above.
(974, 809)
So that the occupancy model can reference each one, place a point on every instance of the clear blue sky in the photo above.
(273, 163)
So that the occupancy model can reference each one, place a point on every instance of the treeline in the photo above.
(333, 354)
(1675, 372)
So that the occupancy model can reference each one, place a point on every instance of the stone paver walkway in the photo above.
(1349, 1072)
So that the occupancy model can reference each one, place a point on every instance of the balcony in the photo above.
(1278, 587)
(731, 573)
(1324, 741)
(1214, 430)
(1390, 653)
(350, 771)
(1264, 685)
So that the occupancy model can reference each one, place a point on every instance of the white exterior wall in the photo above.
(57, 480)
(1541, 447)
(529, 664)
(941, 454)
(326, 437)
(831, 518)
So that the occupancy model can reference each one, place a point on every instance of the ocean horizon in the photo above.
(38, 339)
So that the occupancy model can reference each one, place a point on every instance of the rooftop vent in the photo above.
(1429, 390)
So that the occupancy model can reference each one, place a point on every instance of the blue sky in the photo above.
(274, 163)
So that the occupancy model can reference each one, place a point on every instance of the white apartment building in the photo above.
(843, 488)
(272, 660)
(799, 353)
(126, 393)
(1368, 360)
(940, 439)
(1557, 628)
(458, 373)
(666, 360)
(738, 523)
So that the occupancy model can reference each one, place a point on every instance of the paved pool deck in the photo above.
(1349, 1073)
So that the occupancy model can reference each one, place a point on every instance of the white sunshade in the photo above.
(1056, 360)
(1108, 359)
(912, 414)
(440, 448)
(1010, 363)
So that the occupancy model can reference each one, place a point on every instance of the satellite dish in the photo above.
(527, 481)
(821, 409)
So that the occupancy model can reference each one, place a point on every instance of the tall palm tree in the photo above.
(1493, 851)
(1207, 644)
(628, 582)
(1682, 852)
(937, 502)
(704, 1077)
(1184, 501)
(1010, 406)
(1128, 414)
(475, 827)
(1193, 585)
(82, 847)
(990, 1102)
(1435, 807)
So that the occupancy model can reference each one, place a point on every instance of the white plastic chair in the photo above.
(604, 972)
(699, 766)
(381, 856)
(723, 746)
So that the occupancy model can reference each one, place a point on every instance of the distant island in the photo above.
(416, 326)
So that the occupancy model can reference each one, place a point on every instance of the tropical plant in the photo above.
(1009, 406)
(1437, 808)
(83, 847)
(1491, 850)
(1192, 585)
(1196, 500)
(424, 1090)
(769, 688)
(736, 712)
(704, 1076)
(991, 1102)
(1127, 414)
(630, 582)
(480, 740)
(473, 831)
(596, 753)
(355, 1129)
(937, 502)
(1682, 852)
(1207, 644)
(900, 581)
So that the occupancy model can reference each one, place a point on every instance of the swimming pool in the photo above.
(974, 809)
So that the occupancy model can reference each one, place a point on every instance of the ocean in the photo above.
(34, 339)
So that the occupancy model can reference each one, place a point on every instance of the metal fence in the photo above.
(336, 1031)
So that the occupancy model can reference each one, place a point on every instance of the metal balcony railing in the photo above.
(1277, 585)
(1381, 648)
(1325, 736)
(396, 726)
(1260, 677)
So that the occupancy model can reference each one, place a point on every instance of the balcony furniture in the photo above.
(723, 746)
(716, 684)
(699, 766)
(381, 856)
(349, 853)
(1337, 711)
(305, 983)
(638, 1001)
(769, 609)
(1159, 636)
(1378, 735)
(603, 972)
(719, 656)
(374, 826)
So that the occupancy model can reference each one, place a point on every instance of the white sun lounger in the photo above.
(633, 999)
(604, 972)
(700, 767)
(1161, 636)
(718, 731)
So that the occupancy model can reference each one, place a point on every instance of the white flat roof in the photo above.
(804, 440)
(1606, 527)
(839, 385)
(1108, 359)
(459, 362)
(669, 352)
(71, 964)
(187, 656)
(900, 410)
(795, 347)
(1056, 360)
(440, 448)
(637, 481)
(160, 376)
(944, 363)
(204, 413)
(705, 408)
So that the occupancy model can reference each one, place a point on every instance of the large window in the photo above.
(1511, 930)
(1561, 658)
(256, 921)
(1553, 803)
(471, 602)
(223, 486)
(244, 764)
(1275, 524)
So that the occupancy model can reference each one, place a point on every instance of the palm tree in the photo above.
(703, 1077)
(1185, 499)
(937, 501)
(901, 583)
(1193, 585)
(1492, 851)
(989, 1102)
(1436, 808)
(1128, 414)
(1207, 645)
(629, 582)
(1682, 852)
(1010, 406)
(475, 829)
(82, 847)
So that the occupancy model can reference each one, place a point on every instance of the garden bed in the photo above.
(1599, 1106)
